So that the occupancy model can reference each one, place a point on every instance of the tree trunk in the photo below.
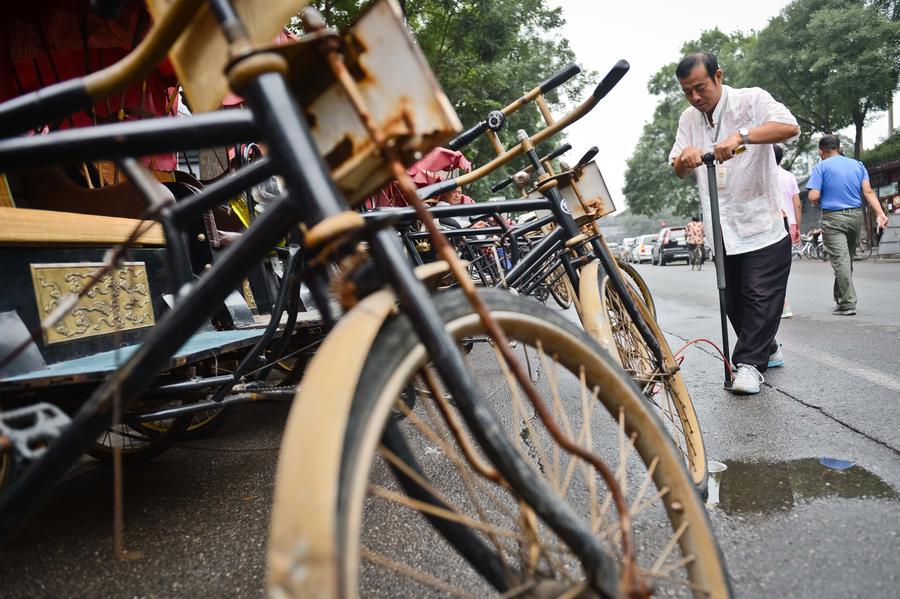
(858, 142)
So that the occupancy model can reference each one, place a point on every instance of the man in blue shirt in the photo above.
(840, 183)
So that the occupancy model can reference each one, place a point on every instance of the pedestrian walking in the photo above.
(839, 183)
(791, 209)
(723, 119)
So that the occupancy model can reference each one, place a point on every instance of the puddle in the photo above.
(767, 487)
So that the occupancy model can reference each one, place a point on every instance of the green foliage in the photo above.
(485, 54)
(887, 150)
(833, 62)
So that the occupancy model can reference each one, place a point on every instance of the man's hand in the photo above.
(795, 234)
(690, 158)
(724, 150)
(882, 220)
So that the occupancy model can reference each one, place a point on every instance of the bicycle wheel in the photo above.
(206, 423)
(415, 515)
(632, 276)
(661, 383)
(560, 290)
(140, 442)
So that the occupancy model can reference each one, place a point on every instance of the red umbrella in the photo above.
(436, 166)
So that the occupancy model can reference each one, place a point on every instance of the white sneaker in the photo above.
(747, 380)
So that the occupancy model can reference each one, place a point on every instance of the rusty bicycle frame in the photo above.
(258, 73)
(577, 242)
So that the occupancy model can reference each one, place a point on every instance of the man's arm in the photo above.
(798, 216)
(767, 133)
(687, 161)
(684, 156)
(870, 196)
(814, 185)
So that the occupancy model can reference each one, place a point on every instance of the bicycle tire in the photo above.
(561, 290)
(662, 384)
(640, 285)
(396, 358)
(139, 443)
(206, 423)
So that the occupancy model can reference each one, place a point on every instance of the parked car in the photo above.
(613, 248)
(625, 249)
(643, 249)
(671, 245)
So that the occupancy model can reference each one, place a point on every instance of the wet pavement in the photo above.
(789, 525)
(807, 507)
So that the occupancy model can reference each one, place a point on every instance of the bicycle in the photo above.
(346, 430)
(696, 257)
(608, 306)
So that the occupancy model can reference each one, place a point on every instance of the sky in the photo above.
(648, 34)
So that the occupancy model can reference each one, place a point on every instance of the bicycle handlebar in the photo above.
(467, 136)
(612, 78)
(547, 85)
(588, 156)
(558, 78)
(554, 154)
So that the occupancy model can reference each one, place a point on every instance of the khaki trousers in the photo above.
(840, 234)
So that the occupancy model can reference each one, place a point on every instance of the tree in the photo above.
(832, 62)
(650, 183)
(485, 54)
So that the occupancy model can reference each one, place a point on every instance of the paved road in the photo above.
(198, 515)
(789, 526)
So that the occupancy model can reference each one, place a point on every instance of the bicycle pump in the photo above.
(709, 160)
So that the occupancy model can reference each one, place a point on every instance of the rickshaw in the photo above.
(58, 224)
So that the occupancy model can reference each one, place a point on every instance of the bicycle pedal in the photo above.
(31, 429)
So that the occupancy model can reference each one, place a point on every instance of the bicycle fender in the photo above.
(302, 551)
(594, 318)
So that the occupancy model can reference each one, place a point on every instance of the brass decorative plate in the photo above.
(119, 301)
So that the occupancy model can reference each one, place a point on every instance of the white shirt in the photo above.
(788, 184)
(750, 202)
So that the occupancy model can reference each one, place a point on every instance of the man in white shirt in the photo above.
(722, 119)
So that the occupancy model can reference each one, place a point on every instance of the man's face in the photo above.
(702, 91)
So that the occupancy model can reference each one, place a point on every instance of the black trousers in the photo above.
(756, 283)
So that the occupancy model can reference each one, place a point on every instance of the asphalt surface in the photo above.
(197, 517)
(790, 527)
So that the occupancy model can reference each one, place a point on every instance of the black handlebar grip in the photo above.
(498, 186)
(558, 78)
(708, 158)
(43, 106)
(612, 78)
(436, 189)
(467, 136)
(557, 152)
(588, 156)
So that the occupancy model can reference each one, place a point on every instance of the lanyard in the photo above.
(715, 139)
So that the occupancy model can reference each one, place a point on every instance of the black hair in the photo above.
(687, 64)
(696, 219)
(829, 143)
(779, 153)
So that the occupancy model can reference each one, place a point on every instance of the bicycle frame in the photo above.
(312, 200)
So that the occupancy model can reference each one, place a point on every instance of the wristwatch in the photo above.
(744, 132)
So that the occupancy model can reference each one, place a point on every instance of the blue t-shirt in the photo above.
(840, 180)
